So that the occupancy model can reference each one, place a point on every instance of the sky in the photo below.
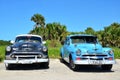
(77, 15)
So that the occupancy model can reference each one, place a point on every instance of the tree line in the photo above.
(55, 31)
(3, 42)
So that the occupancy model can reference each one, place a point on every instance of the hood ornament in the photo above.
(95, 47)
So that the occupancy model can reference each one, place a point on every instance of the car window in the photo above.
(91, 40)
(28, 39)
(77, 39)
(83, 39)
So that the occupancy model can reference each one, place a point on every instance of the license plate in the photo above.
(27, 62)
(95, 62)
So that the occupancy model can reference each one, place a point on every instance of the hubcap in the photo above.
(72, 64)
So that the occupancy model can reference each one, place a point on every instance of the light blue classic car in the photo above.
(82, 49)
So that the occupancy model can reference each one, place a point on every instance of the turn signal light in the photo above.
(78, 59)
(110, 58)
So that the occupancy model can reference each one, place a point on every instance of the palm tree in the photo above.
(39, 20)
(56, 31)
(49, 29)
(39, 24)
(89, 30)
(110, 34)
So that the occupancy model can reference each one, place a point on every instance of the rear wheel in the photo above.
(61, 59)
(106, 67)
(73, 66)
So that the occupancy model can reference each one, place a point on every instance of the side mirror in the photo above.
(44, 42)
(12, 42)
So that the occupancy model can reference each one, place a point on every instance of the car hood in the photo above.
(89, 48)
(26, 44)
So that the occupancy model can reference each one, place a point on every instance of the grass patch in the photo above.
(2, 53)
(54, 52)
(53, 48)
(116, 52)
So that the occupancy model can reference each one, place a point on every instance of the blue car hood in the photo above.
(90, 48)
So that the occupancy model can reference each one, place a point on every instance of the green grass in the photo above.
(54, 52)
(116, 52)
(2, 53)
(54, 49)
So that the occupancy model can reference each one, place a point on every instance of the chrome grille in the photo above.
(96, 55)
(26, 56)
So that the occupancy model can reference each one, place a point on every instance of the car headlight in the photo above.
(8, 48)
(44, 49)
(111, 52)
(78, 52)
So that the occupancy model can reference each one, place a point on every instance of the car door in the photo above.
(66, 49)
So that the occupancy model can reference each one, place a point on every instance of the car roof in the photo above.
(81, 35)
(29, 35)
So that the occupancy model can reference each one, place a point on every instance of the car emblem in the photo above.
(25, 45)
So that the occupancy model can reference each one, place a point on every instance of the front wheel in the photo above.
(106, 67)
(8, 66)
(61, 59)
(45, 65)
(73, 66)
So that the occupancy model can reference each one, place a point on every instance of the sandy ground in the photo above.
(59, 71)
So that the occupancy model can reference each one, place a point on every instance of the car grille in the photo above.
(94, 56)
(26, 56)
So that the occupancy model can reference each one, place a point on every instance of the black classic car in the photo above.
(26, 49)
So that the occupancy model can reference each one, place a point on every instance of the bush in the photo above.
(53, 48)
(2, 53)
(116, 52)
(53, 43)
(2, 42)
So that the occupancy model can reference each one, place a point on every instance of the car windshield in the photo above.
(28, 39)
(84, 39)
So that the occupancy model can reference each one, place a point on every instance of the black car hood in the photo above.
(26, 44)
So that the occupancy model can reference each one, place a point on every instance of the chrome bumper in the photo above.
(25, 61)
(94, 62)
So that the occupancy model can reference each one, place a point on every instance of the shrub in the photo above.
(2, 52)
